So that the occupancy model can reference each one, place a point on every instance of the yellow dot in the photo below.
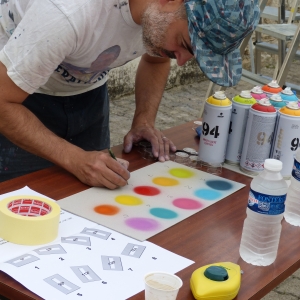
(181, 173)
(128, 200)
(165, 181)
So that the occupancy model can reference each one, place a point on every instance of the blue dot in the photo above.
(163, 213)
(207, 194)
(219, 185)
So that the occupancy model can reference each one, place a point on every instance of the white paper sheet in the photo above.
(86, 261)
(69, 224)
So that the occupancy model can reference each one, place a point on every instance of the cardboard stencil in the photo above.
(156, 197)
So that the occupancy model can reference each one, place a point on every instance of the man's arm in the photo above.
(24, 129)
(151, 78)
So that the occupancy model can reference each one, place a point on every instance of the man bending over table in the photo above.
(54, 64)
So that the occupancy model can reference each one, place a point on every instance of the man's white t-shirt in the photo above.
(66, 47)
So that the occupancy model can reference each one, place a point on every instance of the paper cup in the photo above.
(161, 286)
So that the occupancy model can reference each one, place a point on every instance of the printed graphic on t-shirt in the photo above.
(98, 69)
(10, 26)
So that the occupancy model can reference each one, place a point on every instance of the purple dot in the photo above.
(143, 224)
(186, 203)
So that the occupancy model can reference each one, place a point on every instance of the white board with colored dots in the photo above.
(156, 197)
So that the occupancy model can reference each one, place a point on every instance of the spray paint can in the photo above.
(277, 101)
(257, 93)
(240, 110)
(287, 137)
(288, 96)
(258, 137)
(271, 88)
(216, 120)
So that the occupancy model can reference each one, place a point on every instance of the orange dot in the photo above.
(106, 209)
(165, 181)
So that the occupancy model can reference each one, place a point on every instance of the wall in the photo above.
(121, 80)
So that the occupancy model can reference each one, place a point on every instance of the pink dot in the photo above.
(186, 203)
(143, 224)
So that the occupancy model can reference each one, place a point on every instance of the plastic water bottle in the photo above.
(292, 204)
(262, 226)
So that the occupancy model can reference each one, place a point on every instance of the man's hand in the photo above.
(151, 78)
(97, 168)
(24, 129)
(161, 145)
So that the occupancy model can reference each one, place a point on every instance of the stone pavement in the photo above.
(179, 105)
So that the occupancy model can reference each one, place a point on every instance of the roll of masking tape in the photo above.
(29, 220)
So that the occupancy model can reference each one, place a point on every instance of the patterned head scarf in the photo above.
(216, 29)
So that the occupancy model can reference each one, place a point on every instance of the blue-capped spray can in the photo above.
(288, 96)
(277, 101)
(240, 108)
(287, 137)
(258, 137)
(216, 120)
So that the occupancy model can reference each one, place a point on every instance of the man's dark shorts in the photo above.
(83, 120)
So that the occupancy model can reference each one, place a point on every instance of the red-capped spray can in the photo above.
(287, 137)
(258, 137)
(240, 109)
(216, 120)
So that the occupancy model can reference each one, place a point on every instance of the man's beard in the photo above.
(155, 24)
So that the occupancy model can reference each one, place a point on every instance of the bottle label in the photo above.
(266, 204)
(296, 170)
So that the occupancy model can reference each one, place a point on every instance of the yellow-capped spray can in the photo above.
(216, 121)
